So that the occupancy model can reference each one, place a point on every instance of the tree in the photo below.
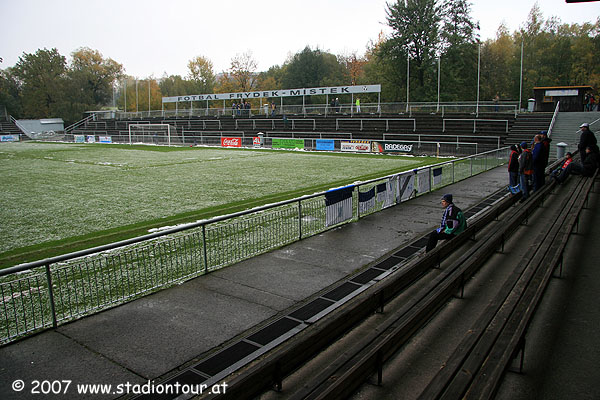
(355, 66)
(415, 25)
(385, 67)
(10, 93)
(94, 74)
(201, 74)
(458, 63)
(500, 67)
(241, 76)
(313, 68)
(42, 79)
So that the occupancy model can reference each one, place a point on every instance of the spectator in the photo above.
(546, 142)
(585, 168)
(513, 170)
(586, 139)
(525, 170)
(453, 223)
(568, 160)
(539, 163)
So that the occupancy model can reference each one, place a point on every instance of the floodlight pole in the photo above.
(407, 79)
(438, 102)
(478, 77)
(521, 79)
(137, 110)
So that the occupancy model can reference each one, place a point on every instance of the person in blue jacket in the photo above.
(539, 163)
(453, 223)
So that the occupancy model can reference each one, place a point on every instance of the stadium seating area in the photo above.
(487, 130)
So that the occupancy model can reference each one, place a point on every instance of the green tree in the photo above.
(10, 93)
(313, 68)
(459, 51)
(415, 32)
(385, 65)
(42, 79)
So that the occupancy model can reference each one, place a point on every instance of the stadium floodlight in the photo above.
(150, 133)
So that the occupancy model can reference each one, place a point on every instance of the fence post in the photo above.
(204, 249)
(51, 295)
(299, 219)
(453, 169)
(471, 166)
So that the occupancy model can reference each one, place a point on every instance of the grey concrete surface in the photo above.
(153, 336)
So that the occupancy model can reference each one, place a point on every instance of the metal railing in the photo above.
(91, 117)
(553, 119)
(474, 120)
(46, 293)
(344, 109)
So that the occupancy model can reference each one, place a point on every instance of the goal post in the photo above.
(150, 133)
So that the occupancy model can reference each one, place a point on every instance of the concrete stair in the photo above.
(566, 129)
(526, 126)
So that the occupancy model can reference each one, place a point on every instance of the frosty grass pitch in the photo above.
(63, 197)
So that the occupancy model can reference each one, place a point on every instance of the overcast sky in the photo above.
(151, 37)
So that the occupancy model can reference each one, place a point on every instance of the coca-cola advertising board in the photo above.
(231, 142)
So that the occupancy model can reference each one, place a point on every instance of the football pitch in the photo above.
(60, 197)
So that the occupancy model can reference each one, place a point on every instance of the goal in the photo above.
(151, 133)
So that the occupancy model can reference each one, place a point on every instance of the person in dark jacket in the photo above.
(539, 163)
(586, 139)
(546, 142)
(585, 168)
(453, 223)
(513, 169)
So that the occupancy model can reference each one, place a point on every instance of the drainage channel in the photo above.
(213, 369)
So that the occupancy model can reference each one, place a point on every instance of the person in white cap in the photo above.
(586, 139)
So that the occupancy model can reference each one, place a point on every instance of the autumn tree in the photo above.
(94, 74)
(241, 76)
(201, 74)
(354, 65)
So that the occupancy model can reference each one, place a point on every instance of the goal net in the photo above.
(163, 134)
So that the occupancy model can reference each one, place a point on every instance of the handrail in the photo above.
(18, 125)
(553, 119)
(79, 123)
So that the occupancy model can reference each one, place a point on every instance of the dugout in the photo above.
(571, 98)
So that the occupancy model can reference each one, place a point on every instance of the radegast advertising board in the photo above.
(391, 147)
